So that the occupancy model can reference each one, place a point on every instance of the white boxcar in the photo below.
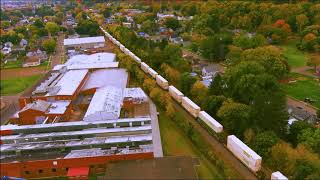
(175, 93)
(122, 47)
(152, 72)
(250, 158)
(127, 51)
(162, 82)
(211, 122)
(137, 59)
(144, 67)
(118, 43)
(190, 106)
(132, 55)
(278, 176)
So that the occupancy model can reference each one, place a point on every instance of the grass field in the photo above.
(304, 87)
(175, 142)
(17, 85)
(296, 58)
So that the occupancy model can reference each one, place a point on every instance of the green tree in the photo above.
(172, 23)
(235, 117)
(186, 83)
(149, 27)
(199, 92)
(49, 45)
(216, 87)
(302, 20)
(212, 104)
(263, 142)
(52, 28)
(296, 129)
(311, 138)
(247, 42)
(88, 27)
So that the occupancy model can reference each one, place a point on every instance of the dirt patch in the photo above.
(20, 72)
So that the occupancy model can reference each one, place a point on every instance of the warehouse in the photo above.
(84, 43)
(250, 158)
(132, 96)
(105, 77)
(190, 106)
(175, 93)
(209, 121)
(39, 112)
(106, 104)
(93, 61)
(163, 83)
(58, 86)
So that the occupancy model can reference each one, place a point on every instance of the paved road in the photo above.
(157, 146)
(304, 71)
(305, 106)
(218, 148)
(59, 55)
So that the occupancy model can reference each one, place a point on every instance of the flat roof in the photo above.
(107, 77)
(83, 132)
(134, 93)
(58, 107)
(70, 82)
(93, 61)
(85, 40)
(69, 124)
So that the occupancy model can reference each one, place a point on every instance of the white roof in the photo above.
(58, 67)
(86, 40)
(134, 93)
(244, 147)
(105, 100)
(58, 107)
(93, 61)
(70, 82)
(107, 77)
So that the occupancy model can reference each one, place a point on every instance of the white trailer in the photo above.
(190, 106)
(250, 158)
(175, 94)
(122, 47)
(137, 59)
(127, 51)
(144, 67)
(278, 176)
(162, 82)
(152, 72)
(131, 55)
(211, 122)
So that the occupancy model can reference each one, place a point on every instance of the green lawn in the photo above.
(17, 85)
(175, 142)
(13, 64)
(296, 58)
(305, 87)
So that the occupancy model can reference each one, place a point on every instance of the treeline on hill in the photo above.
(247, 99)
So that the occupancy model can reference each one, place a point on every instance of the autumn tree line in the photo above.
(247, 98)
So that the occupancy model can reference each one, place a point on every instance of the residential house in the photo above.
(127, 24)
(23, 43)
(7, 48)
(210, 70)
(31, 61)
(41, 55)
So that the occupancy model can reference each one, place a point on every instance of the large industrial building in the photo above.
(84, 43)
(79, 118)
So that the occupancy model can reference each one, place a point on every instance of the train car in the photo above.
(118, 43)
(127, 51)
(152, 72)
(190, 106)
(175, 94)
(122, 47)
(137, 59)
(210, 121)
(144, 67)
(278, 176)
(250, 158)
(162, 82)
